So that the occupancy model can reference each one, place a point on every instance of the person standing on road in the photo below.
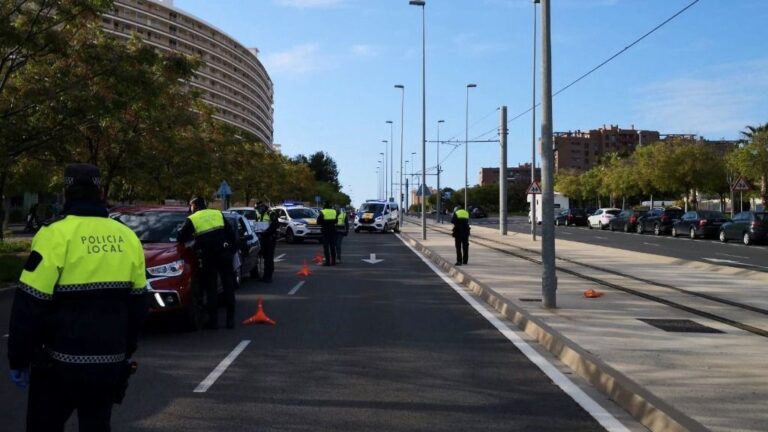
(214, 245)
(327, 221)
(268, 239)
(460, 221)
(342, 229)
(77, 311)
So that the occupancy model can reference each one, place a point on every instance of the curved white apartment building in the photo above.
(231, 79)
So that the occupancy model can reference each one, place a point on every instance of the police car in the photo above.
(378, 215)
(296, 222)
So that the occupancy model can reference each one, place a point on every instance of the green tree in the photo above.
(751, 158)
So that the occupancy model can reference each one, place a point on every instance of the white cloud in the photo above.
(716, 102)
(298, 59)
(362, 50)
(308, 4)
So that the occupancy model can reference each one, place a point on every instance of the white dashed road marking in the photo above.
(296, 288)
(221, 368)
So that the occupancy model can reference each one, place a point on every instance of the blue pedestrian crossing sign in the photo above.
(224, 189)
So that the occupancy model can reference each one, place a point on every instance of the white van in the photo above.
(561, 203)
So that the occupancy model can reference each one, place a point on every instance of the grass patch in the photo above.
(14, 246)
(10, 267)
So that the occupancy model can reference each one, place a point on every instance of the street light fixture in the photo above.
(422, 3)
(466, 149)
(402, 113)
(438, 215)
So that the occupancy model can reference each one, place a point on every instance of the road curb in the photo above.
(653, 412)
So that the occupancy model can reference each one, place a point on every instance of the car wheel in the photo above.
(589, 224)
(357, 230)
(747, 241)
(557, 222)
(195, 312)
(611, 227)
(657, 229)
(567, 223)
(258, 269)
(601, 226)
(692, 234)
(289, 237)
(397, 227)
(626, 228)
(639, 228)
(723, 237)
(674, 232)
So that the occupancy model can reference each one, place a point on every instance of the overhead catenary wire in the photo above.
(594, 69)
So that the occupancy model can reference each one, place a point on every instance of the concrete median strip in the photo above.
(650, 410)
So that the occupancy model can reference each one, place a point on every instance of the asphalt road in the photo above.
(386, 346)
(732, 254)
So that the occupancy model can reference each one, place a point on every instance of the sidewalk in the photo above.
(669, 381)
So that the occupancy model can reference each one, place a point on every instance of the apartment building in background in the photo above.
(232, 79)
(580, 150)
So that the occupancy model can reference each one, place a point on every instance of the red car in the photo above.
(172, 267)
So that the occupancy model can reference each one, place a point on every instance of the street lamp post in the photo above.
(549, 270)
(391, 159)
(533, 129)
(402, 113)
(466, 149)
(438, 215)
(413, 167)
(386, 178)
(405, 209)
(422, 4)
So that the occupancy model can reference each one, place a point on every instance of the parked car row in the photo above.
(748, 227)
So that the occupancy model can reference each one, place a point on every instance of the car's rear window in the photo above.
(674, 213)
(154, 227)
(762, 216)
(249, 214)
(712, 215)
(613, 212)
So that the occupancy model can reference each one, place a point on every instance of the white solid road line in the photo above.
(296, 288)
(606, 419)
(651, 244)
(732, 256)
(221, 368)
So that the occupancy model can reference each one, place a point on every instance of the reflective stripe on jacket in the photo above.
(81, 294)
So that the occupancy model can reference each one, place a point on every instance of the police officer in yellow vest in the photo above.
(268, 239)
(77, 311)
(327, 221)
(460, 221)
(342, 229)
(215, 246)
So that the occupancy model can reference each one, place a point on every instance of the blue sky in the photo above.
(334, 64)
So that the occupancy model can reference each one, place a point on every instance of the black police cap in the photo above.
(83, 175)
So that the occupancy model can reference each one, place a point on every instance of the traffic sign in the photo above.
(224, 189)
(741, 185)
(534, 188)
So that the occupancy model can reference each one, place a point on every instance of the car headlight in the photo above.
(171, 269)
(379, 219)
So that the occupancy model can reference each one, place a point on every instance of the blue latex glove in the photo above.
(20, 377)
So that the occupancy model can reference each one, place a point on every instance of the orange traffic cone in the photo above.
(593, 293)
(304, 270)
(259, 317)
(319, 258)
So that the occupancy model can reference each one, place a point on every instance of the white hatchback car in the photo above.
(601, 217)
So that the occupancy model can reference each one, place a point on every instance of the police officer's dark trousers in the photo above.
(339, 240)
(55, 393)
(220, 265)
(462, 249)
(329, 247)
(268, 253)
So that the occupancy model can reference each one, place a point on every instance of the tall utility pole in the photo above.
(402, 115)
(439, 198)
(549, 276)
(422, 4)
(466, 149)
(533, 129)
(391, 160)
(503, 172)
